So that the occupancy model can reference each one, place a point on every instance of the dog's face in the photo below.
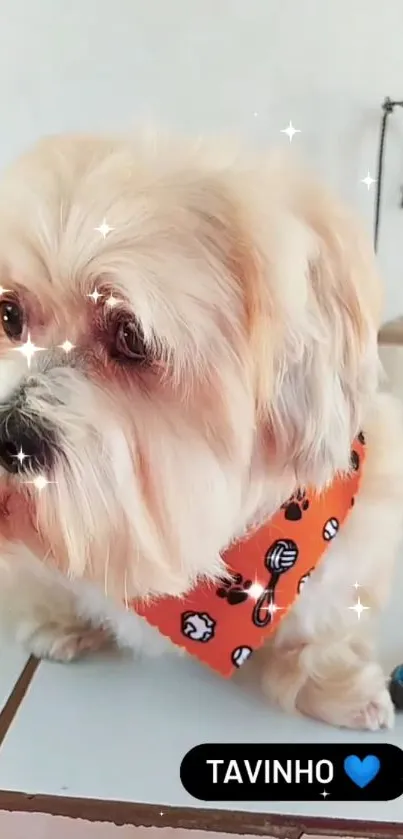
(178, 315)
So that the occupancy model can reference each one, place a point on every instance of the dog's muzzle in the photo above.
(25, 444)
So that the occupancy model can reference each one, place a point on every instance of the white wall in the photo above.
(210, 65)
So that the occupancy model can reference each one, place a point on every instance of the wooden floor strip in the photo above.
(16, 696)
(192, 818)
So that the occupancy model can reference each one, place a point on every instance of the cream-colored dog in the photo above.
(208, 333)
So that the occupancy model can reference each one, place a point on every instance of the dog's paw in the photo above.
(362, 704)
(375, 714)
(61, 643)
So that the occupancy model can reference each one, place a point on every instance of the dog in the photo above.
(188, 338)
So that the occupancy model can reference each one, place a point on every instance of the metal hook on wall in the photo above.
(388, 107)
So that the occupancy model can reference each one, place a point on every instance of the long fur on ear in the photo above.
(312, 306)
(326, 363)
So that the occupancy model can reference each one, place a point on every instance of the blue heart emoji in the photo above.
(362, 772)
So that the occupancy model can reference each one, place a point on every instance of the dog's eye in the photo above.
(129, 341)
(12, 319)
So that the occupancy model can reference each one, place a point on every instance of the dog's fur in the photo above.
(259, 304)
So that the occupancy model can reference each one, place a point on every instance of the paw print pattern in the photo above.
(296, 505)
(355, 460)
(235, 590)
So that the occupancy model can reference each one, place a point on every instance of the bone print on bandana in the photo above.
(222, 624)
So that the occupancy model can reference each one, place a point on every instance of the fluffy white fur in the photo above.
(259, 303)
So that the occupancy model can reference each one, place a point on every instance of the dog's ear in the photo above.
(325, 363)
(311, 309)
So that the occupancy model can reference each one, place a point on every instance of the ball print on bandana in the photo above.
(330, 529)
(222, 623)
(198, 626)
(279, 559)
(304, 579)
(240, 655)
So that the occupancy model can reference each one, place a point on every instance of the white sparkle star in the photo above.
(325, 794)
(290, 131)
(95, 296)
(21, 456)
(356, 585)
(272, 608)
(104, 229)
(40, 482)
(255, 590)
(368, 181)
(111, 301)
(358, 608)
(161, 812)
(28, 350)
(67, 346)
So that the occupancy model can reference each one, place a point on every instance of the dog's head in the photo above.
(203, 323)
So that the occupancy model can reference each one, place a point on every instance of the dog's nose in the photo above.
(24, 445)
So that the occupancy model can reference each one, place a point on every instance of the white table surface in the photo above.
(117, 729)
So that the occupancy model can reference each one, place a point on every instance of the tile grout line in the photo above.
(16, 696)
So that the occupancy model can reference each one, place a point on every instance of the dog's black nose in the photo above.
(24, 445)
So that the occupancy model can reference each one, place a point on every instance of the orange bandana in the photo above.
(222, 623)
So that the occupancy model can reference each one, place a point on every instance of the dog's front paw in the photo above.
(361, 702)
(375, 714)
(62, 643)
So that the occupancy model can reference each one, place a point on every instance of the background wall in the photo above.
(238, 66)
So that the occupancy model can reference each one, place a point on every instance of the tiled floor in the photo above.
(114, 729)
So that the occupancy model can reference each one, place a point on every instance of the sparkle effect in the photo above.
(255, 590)
(20, 456)
(4, 291)
(95, 296)
(104, 229)
(356, 585)
(368, 181)
(325, 794)
(28, 350)
(358, 608)
(290, 131)
(112, 300)
(272, 608)
(40, 482)
(67, 346)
